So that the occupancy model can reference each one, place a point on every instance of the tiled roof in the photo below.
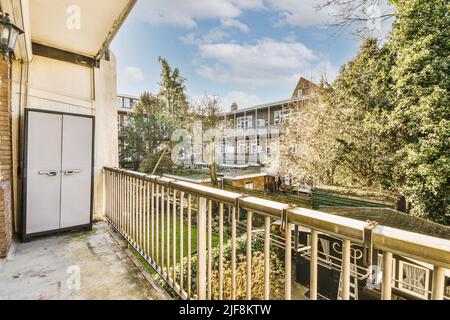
(394, 219)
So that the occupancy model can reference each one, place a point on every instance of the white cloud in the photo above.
(264, 63)
(213, 35)
(290, 37)
(234, 23)
(134, 74)
(249, 4)
(186, 13)
(306, 13)
(300, 13)
(190, 38)
(243, 99)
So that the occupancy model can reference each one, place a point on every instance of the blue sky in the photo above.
(248, 51)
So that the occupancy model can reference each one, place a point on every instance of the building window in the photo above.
(230, 148)
(254, 146)
(249, 185)
(223, 147)
(324, 250)
(300, 93)
(242, 147)
(278, 116)
(245, 122)
(447, 288)
(262, 123)
(119, 102)
(127, 103)
(413, 279)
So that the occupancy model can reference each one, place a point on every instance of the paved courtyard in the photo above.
(77, 266)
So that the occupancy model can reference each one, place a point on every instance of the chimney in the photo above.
(234, 107)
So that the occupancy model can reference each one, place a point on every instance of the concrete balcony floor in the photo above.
(47, 269)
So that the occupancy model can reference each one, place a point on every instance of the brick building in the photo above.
(253, 129)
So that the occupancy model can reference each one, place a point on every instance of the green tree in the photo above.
(421, 117)
(394, 101)
(173, 93)
(151, 124)
(359, 103)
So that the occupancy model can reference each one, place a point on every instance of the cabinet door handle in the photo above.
(71, 172)
(50, 173)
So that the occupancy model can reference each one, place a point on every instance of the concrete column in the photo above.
(106, 133)
(5, 159)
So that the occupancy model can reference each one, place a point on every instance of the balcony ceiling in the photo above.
(100, 20)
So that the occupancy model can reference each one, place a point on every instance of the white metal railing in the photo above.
(152, 213)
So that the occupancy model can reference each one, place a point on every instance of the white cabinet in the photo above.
(58, 171)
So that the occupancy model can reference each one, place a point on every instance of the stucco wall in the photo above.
(106, 151)
(66, 87)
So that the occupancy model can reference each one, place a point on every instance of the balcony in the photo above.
(179, 228)
(90, 265)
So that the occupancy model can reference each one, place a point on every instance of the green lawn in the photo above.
(215, 239)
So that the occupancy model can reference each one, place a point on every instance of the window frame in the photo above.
(242, 145)
(278, 116)
(245, 122)
(249, 183)
(401, 285)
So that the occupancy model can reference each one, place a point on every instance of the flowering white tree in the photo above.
(305, 150)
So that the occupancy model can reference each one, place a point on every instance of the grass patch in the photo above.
(215, 239)
(194, 233)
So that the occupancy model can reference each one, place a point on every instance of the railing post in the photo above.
(104, 195)
(201, 248)
(182, 242)
(189, 244)
(221, 251)
(152, 211)
(233, 253)
(249, 254)
(288, 261)
(313, 268)
(346, 252)
(386, 289)
(157, 213)
(267, 258)
(438, 283)
(209, 267)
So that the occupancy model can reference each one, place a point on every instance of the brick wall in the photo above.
(5, 160)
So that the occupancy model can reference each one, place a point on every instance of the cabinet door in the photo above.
(43, 172)
(76, 171)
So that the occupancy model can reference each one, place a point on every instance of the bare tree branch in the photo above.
(364, 14)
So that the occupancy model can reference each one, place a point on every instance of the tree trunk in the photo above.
(159, 160)
(213, 167)
(213, 173)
